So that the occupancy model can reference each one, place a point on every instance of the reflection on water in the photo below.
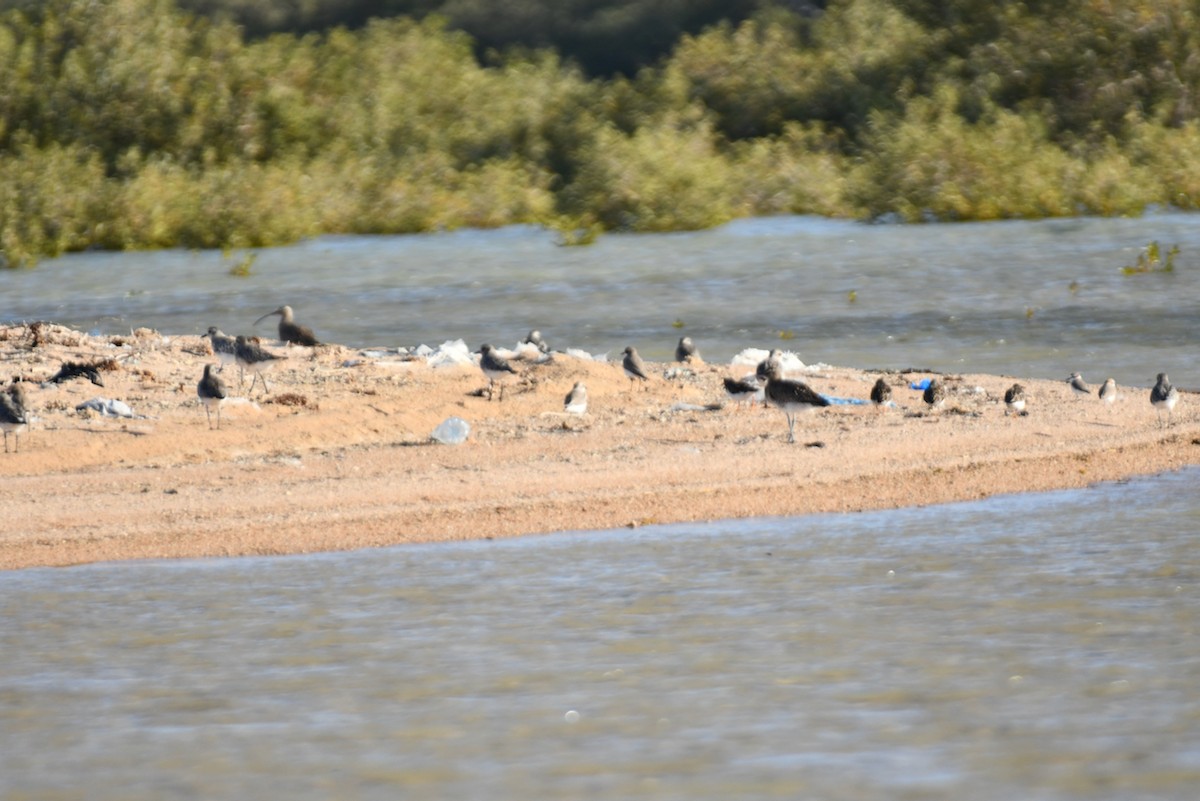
(1036, 647)
(1036, 299)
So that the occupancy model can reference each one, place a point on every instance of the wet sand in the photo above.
(337, 455)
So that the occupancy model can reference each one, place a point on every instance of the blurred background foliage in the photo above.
(241, 123)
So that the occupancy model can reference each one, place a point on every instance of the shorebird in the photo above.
(790, 396)
(212, 393)
(1078, 385)
(761, 370)
(1164, 396)
(290, 331)
(935, 394)
(881, 393)
(495, 367)
(742, 390)
(633, 366)
(1014, 400)
(71, 370)
(535, 338)
(1108, 392)
(13, 415)
(576, 400)
(251, 356)
(685, 351)
(224, 347)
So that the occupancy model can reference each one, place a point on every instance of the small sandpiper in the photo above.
(685, 351)
(495, 367)
(212, 393)
(1108, 392)
(935, 394)
(13, 415)
(790, 396)
(881, 393)
(633, 366)
(761, 370)
(743, 390)
(1164, 396)
(535, 338)
(224, 347)
(576, 400)
(290, 331)
(1078, 385)
(1014, 400)
(251, 356)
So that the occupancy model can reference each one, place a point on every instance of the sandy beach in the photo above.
(337, 455)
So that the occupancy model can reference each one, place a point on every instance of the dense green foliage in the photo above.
(130, 124)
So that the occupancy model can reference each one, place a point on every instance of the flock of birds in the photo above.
(767, 383)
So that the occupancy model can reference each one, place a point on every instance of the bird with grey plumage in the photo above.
(633, 366)
(1014, 400)
(1108, 392)
(1078, 386)
(685, 351)
(935, 394)
(212, 393)
(577, 400)
(224, 347)
(14, 414)
(790, 396)
(761, 370)
(255, 358)
(1164, 397)
(291, 331)
(535, 338)
(742, 390)
(881, 393)
(496, 368)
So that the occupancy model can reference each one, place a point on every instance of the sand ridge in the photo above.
(337, 455)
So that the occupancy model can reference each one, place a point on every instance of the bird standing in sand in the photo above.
(251, 356)
(495, 367)
(224, 347)
(1014, 400)
(685, 351)
(633, 366)
(742, 390)
(291, 331)
(1108, 392)
(535, 338)
(881, 393)
(1164, 397)
(13, 415)
(576, 400)
(935, 394)
(790, 396)
(1078, 385)
(212, 393)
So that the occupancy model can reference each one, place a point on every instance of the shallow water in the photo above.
(1036, 299)
(1035, 647)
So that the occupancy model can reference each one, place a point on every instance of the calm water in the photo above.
(1036, 299)
(1042, 647)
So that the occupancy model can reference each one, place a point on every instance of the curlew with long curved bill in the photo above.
(212, 393)
(790, 396)
(291, 331)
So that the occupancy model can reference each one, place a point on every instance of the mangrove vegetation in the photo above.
(133, 124)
